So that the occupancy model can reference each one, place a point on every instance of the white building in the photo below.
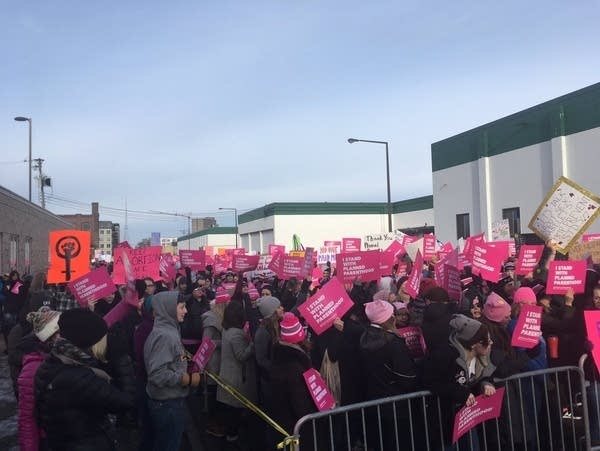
(216, 237)
(105, 239)
(315, 223)
(505, 168)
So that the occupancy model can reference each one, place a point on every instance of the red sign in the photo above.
(529, 257)
(72, 246)
(196, 260)
(318, 390)
(487, 261)
(145, 262)
(274, 248)
(358, 265)
(327, 304)
(245, 263)
(485, 408)
(563, 275)
(428, 246)
(414, 280)
(95, 285)
(204, 353)
(350, 244)
(528, 329)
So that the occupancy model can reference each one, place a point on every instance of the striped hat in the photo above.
(291, 331)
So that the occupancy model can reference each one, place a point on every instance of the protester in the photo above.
(436, 318)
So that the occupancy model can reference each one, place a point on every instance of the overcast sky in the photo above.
(189, 106)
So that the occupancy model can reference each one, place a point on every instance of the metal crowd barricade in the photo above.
(592, 390)
(542, 410)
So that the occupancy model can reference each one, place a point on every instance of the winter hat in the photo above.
(379, 312)
(437, 294)
(45, 322)
(82, 327)
(290, 329)
(524, 295)
(381, 295)
(222, 297)
(399, 305)
(267, 305)
(252, 292)
(426, 285)
(464, 328)
(496, 308)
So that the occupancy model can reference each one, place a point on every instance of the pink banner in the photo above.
(487, 261)
(563, 275)
(485, 408)
(204, 353)
(414, 280)
(274, 248)
(429, 246)
(362, 266)
(318, 390)
(196, 260)
(590, 237)
(592, 325)
(245, 263)
(528, 329)
(95, 285)
(292, 267)
(145, 262)
(529, 257)
(327, 304)
(413, 336)
(351, 244)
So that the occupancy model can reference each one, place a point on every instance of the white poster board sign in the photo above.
(500, 230)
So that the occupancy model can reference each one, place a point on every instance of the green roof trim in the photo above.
(335, 208)
(565, 115)
(210, 231)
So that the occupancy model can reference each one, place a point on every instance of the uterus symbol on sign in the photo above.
(68, 247)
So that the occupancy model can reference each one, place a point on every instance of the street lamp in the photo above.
(236, 222)
(27, 119)
(387, 168)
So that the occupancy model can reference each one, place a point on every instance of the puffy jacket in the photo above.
(29, 432)
(73, 403)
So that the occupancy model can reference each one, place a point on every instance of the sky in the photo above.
(187, 106)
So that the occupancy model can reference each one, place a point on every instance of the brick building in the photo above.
(90, 223)
(24, 229)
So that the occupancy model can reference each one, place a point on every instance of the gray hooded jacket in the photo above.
(163, 351)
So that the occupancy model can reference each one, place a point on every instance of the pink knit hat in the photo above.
(290, 329)
(253, 292)
(379, 312)
(496, 309)
(222, 297)
(525, 295)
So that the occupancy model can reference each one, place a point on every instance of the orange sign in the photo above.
(69, 255)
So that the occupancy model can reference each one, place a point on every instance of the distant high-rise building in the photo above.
(105, 237)
(116, 234)
(199, 224)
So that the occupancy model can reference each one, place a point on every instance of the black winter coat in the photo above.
(72, 403)
(436, 324)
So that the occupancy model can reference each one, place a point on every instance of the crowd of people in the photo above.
(82, 385)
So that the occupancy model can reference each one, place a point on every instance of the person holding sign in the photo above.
(460, 371)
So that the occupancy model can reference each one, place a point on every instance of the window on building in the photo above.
(514, 219)
(27, 252)
(13, 254)
(463, 226)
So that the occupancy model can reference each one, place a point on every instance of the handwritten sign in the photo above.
(327, 254)
(487, 261)
(204, 353)
(500, 230)
(379, 240)
(485, 408)
(327, 304)
(351, 244)
(244, 263)
(414, 280)
(318, 390)
(145, 262)
(95, 285)
(529, 257)
(358, 265)
(563, 275)
(528, 329)
(195, 260)
(566, 212)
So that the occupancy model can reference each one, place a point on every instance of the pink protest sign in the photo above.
(402, 270)
(318, 390)
(470, 242)
(429, 246)
(196, 260)
(292, 267)
(351, 244)
(167, 267)
(120, 311)
(590, 237)
(123, 244)
(487, 261)
(390, 256)
(463, 261)
(204, 353)
(309, 261)
(238, 251)
(131, 295)
(407, 239)
(332, 243)
(528, 329)
(327, 304)
(448, 247)
(358, 265)
(245, 263)
(529, 257)
(92, 286)
(145, 262)
(274, 248)
(276, 263)
(414, 280)
(501, 245)
(485, 408)
(452, 282)
(592, 326)
(413, 336)
(563, 275)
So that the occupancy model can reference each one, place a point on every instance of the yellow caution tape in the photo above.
(248, 404)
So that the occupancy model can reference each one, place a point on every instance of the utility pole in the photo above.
(41, 180)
